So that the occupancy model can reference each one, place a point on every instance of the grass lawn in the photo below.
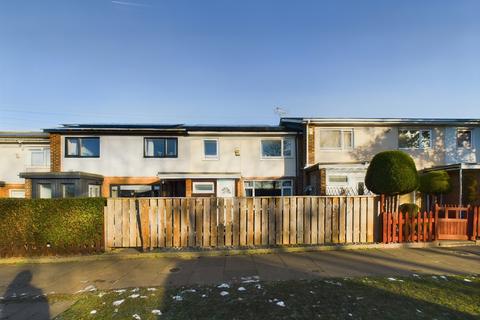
(414, 297)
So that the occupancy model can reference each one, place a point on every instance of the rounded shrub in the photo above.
(392, 173)
(410, 208)
(435, 182)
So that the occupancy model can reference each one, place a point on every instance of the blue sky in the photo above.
(233, 62)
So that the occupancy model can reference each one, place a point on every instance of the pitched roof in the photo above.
(379, 121)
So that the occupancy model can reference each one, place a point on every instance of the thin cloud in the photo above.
(132, 4)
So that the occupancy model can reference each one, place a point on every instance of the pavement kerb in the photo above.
(124, 254)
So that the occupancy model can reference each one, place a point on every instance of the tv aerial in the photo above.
(279, 111)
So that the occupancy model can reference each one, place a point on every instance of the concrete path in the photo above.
(72, 277)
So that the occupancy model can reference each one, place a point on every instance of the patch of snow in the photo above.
(392, 279)
(359, 298)
(118, 302)
(333, 282)
(223, 285)
(135, 290)
(434, 277)
(151, 289)
(119, 291)
(116, 310)
(101, 294)
(134, 296)
(250, 279)
(416, 275)
(136, 317)
(143, 297)
(281, 304)
(467, 280)
(443, 277)
(190, 290)
(258, 286)
(241, 289)
(157, 312)
(204, 295)
(224, 293)
(177, 298)
(89, 288)
(93, 312)
(419, 311)
(350, 315)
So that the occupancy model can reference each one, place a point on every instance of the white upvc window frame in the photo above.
(282, 148)
(46, 157)
(471, 138)
(282, 187)
(417, 129)
(196, 183)
(342, 139)
(97, 187)
(211, 157)
(12, 191)
(337, 183)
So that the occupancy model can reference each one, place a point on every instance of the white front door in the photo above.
(225, 188)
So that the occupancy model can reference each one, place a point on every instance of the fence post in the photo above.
(384, 220)
(144, 221)
(400, 227)
(436, 221)
(474, 225)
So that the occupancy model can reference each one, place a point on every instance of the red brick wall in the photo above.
(5, 190)
(55, 153)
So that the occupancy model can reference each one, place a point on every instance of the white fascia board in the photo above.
(192, 175)
(241, 133)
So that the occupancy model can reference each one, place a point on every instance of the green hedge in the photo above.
(58, 222)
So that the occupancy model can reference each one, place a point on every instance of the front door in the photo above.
(225, 188)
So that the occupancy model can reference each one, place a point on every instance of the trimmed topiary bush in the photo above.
(392, 173)
(435, 182)
(60, 223)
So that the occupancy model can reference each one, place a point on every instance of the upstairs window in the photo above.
(161, 148)
(277, 148)
(210, 148)
(414, 139)
(336, 139)
(464, 138)
(82, 147)
(40, 157)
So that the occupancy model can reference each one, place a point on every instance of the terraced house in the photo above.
(337, 151)
(318, 156)
(21, 152)
(168, 160)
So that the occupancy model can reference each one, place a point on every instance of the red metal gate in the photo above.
(456, 223)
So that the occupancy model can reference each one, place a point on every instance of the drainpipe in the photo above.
(460, 177)
(306, 145)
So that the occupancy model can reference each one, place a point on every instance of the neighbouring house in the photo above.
(21, 152)
(336, 151)
(167, 160)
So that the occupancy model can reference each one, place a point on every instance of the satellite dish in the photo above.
(280, 112)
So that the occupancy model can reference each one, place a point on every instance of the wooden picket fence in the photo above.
(236, 222)
(402, 227)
